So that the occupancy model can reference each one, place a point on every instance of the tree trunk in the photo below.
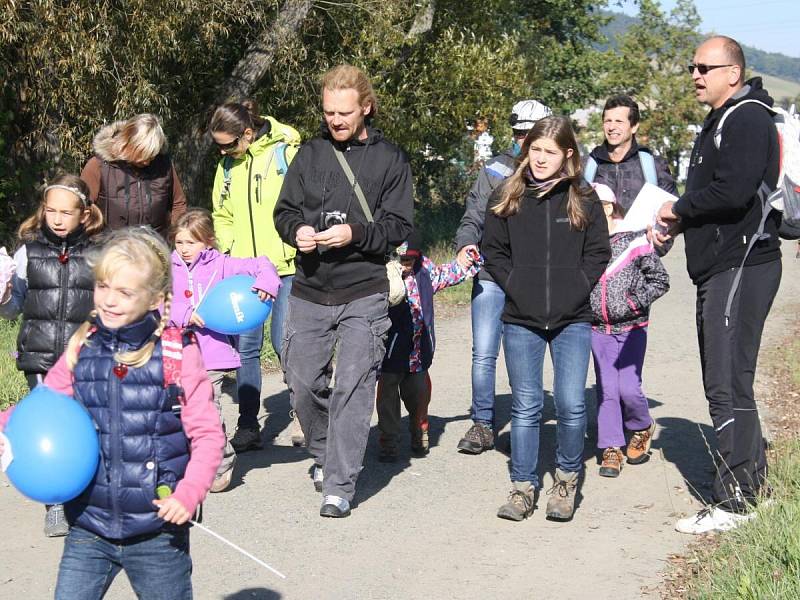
(191, 152)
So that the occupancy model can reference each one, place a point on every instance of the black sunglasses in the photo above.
(703, 69)
(229, 145)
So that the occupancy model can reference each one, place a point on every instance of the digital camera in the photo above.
(329, 219)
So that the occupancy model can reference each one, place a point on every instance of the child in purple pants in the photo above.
(621, 299)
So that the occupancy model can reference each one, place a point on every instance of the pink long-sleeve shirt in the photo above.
(199, 417)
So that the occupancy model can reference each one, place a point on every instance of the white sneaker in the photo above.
(712, 519)
(318, 477)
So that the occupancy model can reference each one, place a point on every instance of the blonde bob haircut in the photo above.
(198, 224)
(143, 248)
(348, 77)
(558, 129)
(139, 139)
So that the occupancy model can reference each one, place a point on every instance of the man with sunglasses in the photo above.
(620, 162)
(487, 297)
(719, 215)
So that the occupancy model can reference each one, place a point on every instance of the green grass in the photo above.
(458, 294)
(760, 559)
(269, 360)
(12, 386)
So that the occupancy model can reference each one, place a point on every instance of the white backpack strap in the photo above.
(718, 132)
(591, 170)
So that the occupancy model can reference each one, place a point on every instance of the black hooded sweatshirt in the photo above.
(720, 210)
(315, 183)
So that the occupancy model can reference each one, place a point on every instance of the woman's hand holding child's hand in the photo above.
(172, 511)
(464, 258)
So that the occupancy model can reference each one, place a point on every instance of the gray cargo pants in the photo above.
(336, 422)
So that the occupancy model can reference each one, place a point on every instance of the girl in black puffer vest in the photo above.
(53, 285)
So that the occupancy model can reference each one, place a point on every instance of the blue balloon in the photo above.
(232, 307)
(55, 446)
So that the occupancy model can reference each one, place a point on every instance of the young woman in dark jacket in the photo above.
(546, 244)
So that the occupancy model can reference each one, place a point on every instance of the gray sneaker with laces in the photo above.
(478, 438)
(521, 502)
(561, 505)
(55, 521)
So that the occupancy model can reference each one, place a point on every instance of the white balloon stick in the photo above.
(235, 547)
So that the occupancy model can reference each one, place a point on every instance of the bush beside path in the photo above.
(426, 528)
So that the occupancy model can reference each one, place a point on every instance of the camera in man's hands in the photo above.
(330, 218)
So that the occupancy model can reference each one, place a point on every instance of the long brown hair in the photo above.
(560, 131)
(234, 118)
(30, 227)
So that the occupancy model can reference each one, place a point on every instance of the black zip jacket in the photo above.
(546, 268)
(316, 183)
(626, 178)
(720, 210)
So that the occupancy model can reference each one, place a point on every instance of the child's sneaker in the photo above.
(419, 442)
(639, 446)
(612, 462)
(561, 505)
(55, 521)
(521, 502)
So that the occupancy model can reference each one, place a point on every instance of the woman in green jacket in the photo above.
(255, 152)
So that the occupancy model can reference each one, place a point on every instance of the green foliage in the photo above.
(14, 386)
(651, 67)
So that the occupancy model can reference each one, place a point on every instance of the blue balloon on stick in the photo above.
(232, 307)
(54, 444)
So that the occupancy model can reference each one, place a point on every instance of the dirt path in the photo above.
(426, 528)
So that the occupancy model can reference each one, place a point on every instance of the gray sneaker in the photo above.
(318, 477)
(521, 502)
(478, 438)
(561, 505)
(334, 506)
(55, 521)
(247, 438)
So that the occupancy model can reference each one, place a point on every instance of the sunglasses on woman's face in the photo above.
(229, 146)
(703, 69)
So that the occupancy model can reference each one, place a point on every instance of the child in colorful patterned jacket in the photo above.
(621, 299)
(410, 347)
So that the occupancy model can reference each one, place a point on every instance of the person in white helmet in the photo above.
(487, 297)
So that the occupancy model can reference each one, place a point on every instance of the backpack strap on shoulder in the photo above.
(280, 156)
(648, 163)
(590, 172)
(227, 165)
(726, 114)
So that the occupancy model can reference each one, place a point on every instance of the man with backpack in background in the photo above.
(487, 297)
(620, 162)
(733, 257)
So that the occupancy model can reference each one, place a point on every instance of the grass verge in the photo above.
(12, 383)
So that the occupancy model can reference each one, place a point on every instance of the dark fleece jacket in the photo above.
(316, 183)
(720, 210)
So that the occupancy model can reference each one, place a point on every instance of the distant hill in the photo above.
(767, 63)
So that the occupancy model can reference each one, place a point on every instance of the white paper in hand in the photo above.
(644, 209)
(7, 269)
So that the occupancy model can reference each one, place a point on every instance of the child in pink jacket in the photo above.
(197, 266)
(152, 440)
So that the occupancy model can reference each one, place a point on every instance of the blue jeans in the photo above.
(570, 348)
(248, 377)
(488, 301)
(158, 565)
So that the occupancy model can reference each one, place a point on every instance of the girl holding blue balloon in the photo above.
(159, 446)
(52, 286)
(197, 267)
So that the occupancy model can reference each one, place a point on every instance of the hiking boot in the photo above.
(521, 502)
(612, 462)
(711, 519)
(561, 505)
(247, 438)
(387, 454)
(478, 438)
(639, 447)
(296, 432)
(317, 476)
(335, 507)
(55, 521)
(419, 442)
